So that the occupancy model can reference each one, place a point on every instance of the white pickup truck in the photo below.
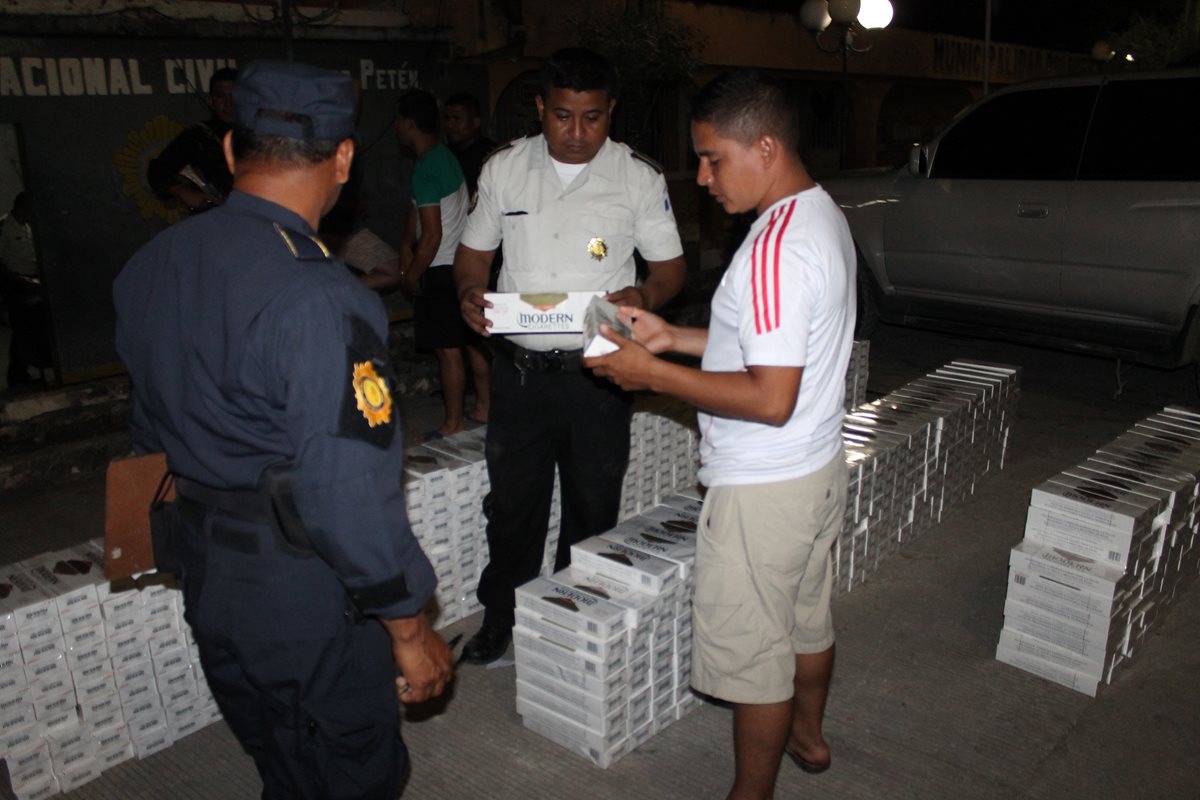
(1063, 213)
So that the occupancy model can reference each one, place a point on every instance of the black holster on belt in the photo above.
(273, 503)
(165, 528)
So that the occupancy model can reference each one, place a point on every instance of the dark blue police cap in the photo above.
(268, 93)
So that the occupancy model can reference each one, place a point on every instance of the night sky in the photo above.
(1073, 25)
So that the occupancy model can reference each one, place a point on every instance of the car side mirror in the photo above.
(918, 160)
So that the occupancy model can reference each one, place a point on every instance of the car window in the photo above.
(1145, 130)
(1031, 135)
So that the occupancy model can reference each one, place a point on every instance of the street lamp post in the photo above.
(849, 19)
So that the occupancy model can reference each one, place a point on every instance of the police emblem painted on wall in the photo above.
(141, 146)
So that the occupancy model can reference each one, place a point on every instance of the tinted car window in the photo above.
(1146, 131)
(1033, 135)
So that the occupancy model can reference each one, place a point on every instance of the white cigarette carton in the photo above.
(601, 312)
(16, 709)
(640, 607)
(545, 312)
(97, 708)
(1064, 676)
(625, 564)
(571, 608)
(569, 658)
(1095, 642)
(1122, 511)
(25, 599)
(1075, 534)
(602, 749)
(570, 636)
(595, 715)
(598, 683)
(653, 538)
(1036, 564)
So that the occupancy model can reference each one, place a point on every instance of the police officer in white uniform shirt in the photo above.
(570, 207)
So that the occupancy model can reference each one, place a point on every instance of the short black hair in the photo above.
(421, 107)
(745, 104)
(580, 70)
(467, 101)
(249, 145)
(227, 74)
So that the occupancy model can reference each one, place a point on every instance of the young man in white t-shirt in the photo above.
(770, 395)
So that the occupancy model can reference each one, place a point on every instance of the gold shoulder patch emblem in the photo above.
(371, 394)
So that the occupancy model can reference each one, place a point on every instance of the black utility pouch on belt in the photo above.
(165, 528)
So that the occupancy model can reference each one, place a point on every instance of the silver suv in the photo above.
(1061, 212)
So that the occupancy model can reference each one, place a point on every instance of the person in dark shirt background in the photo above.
(192, 167)
(464, 137)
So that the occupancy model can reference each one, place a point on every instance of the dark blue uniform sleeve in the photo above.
(325, 350)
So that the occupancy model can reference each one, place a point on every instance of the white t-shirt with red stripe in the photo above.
(787, 300)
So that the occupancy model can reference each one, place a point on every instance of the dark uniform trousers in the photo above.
(536, 420)
(294, 674)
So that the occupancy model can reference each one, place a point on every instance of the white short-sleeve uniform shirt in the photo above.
(581, 238)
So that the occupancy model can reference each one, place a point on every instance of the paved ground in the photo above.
(919, 706)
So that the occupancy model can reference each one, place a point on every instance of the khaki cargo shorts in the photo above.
(763, 583)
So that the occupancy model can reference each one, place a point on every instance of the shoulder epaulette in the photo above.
(302, 246)
(500, 149)
(647, 160)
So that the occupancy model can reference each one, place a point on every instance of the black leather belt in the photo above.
(250, 505)
(527, 360)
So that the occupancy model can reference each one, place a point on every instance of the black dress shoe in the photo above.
(487, 645)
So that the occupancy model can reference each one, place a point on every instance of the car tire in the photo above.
(867, 315)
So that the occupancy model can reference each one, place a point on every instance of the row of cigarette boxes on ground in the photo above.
(1108, 545)
(446, 481)
(603, 648)
(91, 673)
(915, 453)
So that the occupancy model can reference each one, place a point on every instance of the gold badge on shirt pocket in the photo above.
(371, 394)
(597, 248)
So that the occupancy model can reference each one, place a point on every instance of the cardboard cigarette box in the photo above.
(1094, 642)
(96, 708)
(1073, 572)
(545, 312)
(597, 683)
(1064, 676)
(1078, 535)
(1097, 503)
(625, 564)
(611, 719)
(640, 607)
(571, 636)
(599, 664)
(649, 537)
(602, 749)
(601, 312)
(25, 599)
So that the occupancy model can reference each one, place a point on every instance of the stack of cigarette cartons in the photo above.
(1108, 544)
(91, 673)
(444, 501)
(916, 451)
(603, 648)
(663, 453)
(856, 373)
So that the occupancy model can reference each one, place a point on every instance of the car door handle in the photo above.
(1032, 211)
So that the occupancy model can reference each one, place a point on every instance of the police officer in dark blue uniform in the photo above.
(259, 366)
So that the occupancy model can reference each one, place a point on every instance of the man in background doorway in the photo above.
(431, 233)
